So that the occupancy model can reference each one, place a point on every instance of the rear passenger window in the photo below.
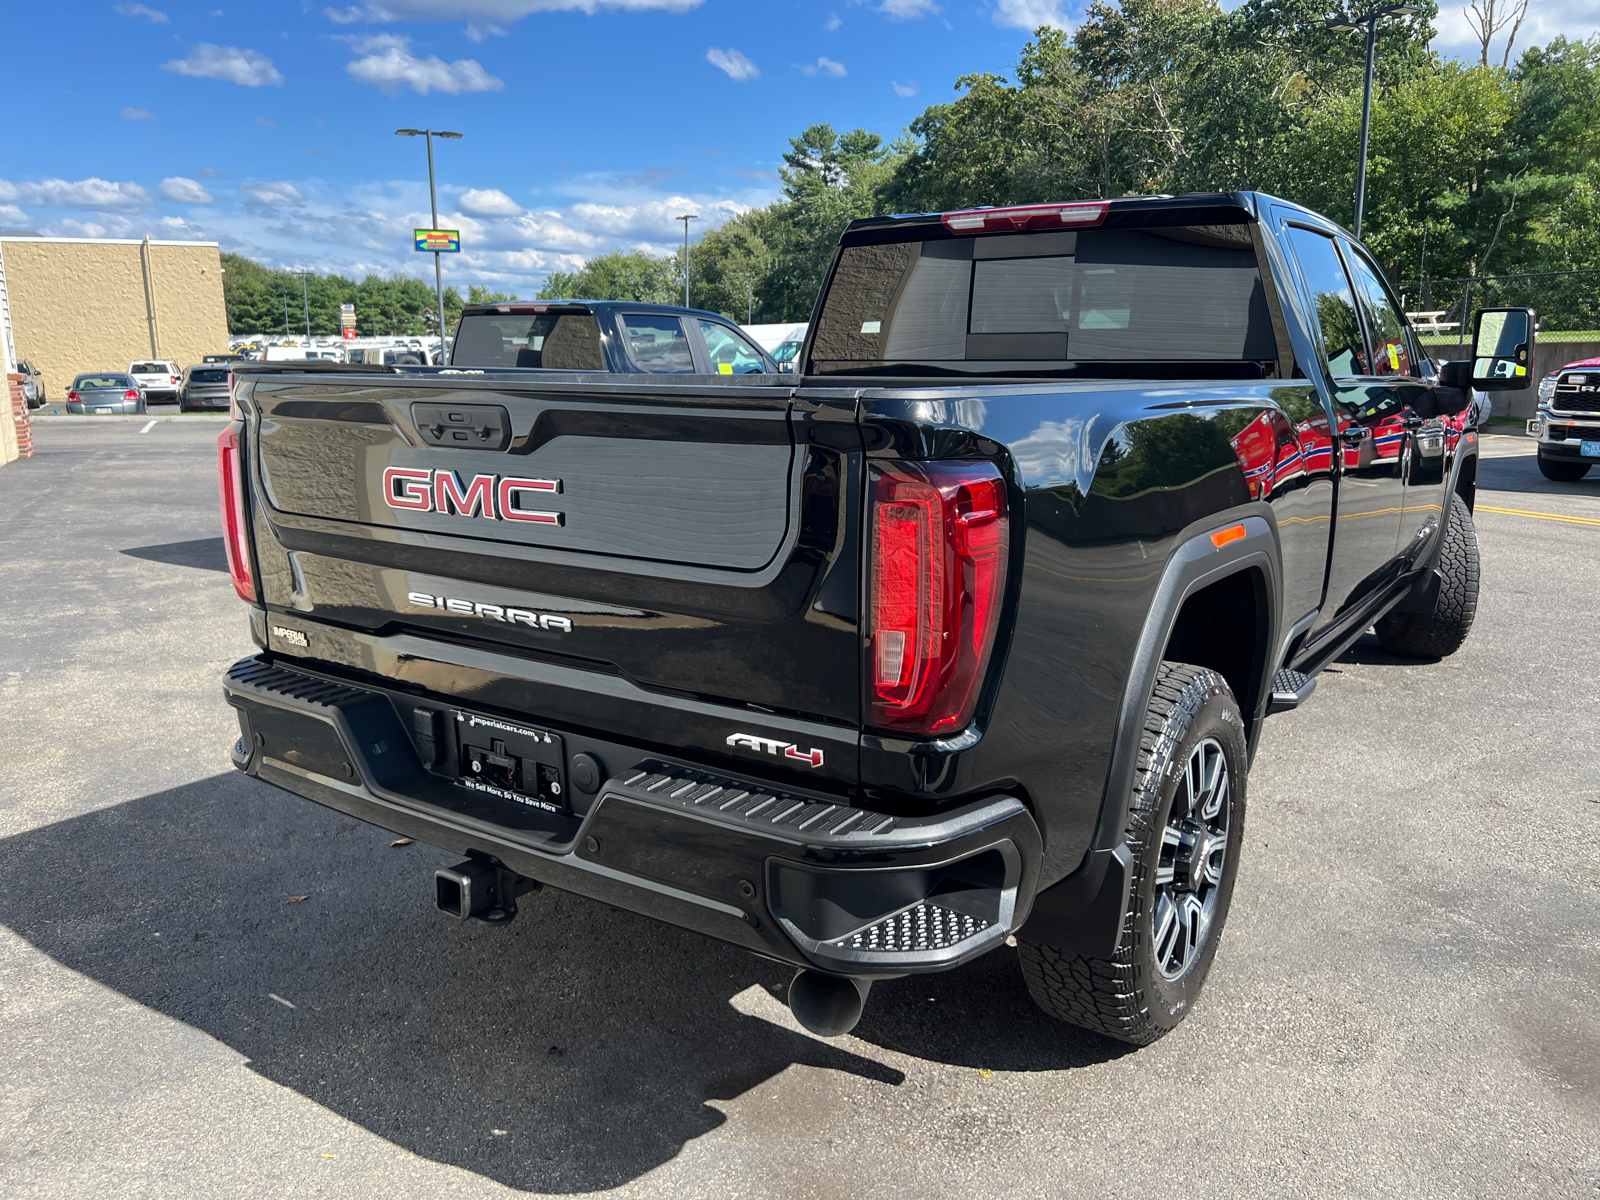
(1333, 300)
(657, 344)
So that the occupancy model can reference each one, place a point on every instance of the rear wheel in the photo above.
(1185, 825)
(1440, 633)
(1562, 470)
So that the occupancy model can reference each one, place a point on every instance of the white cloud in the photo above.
(488, 202)
(904, 90)
(737, 67)
(183, 191)
(824, 66)
(70, 228)
(1576, 19)
(833, 22)
(905, 10)
(1029, 14)
(10, 214)
(389, 64)
(99, 195)
(227, 63)
(496, 10)
(271, 195)
(154, 16)
(138, 114)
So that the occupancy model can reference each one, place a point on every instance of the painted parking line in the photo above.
(148, 427)
(1543, 516)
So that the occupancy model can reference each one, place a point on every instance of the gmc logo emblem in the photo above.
(493, 497)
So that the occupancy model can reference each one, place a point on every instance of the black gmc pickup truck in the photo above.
(961, 637)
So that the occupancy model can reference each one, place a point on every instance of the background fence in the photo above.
(1564, 300)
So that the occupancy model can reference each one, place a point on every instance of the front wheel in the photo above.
(1185, 828)
(1440, 633)
(1562, 470)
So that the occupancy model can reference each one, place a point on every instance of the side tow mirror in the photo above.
(1502, 349)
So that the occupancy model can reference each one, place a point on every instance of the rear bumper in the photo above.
(798, 877)
(121, 407)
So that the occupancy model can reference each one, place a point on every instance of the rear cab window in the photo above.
(560, 341)
(1103, 301)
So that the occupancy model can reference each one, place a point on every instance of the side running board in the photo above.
(1290, 689)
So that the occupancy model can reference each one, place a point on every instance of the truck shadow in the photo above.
(207, 554)
(573, 1050)
(1521, 474)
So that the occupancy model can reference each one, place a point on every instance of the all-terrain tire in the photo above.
(1440, 633)
(1128, 996)
(1562, 470)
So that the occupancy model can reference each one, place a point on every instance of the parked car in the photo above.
(605, 335)
(222, 358)
(32, 384)
(387, 356)
(788, 352)
(968, 641)
(105, 392)
(157, 378)
(203, 387)
(782, 342)
(1568, 422)
(299, 354)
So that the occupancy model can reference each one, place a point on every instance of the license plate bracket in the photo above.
(518, 763)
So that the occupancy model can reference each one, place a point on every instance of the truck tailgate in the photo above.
(695, 539)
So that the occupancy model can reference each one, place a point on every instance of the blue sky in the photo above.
(589, 124)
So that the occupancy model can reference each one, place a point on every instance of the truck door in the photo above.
(1368, 433)
(1397, 358)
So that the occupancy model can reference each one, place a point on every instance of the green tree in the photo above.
(631, 275)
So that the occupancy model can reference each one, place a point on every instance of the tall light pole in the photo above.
(686, 218)
(305, 304)
(1370, 21)
(433, 201)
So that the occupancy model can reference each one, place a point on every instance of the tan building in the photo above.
(98, 304)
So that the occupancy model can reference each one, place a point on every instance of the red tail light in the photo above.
(1031, 216)
(73, 396)
(130, 395)
(230, 481)
(939, 541)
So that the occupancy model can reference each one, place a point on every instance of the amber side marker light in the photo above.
(1222, 537)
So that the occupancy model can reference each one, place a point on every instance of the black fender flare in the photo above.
(1084, 911)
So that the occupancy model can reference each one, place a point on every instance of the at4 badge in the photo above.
(749, 741)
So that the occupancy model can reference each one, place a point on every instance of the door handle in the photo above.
(1354, 435)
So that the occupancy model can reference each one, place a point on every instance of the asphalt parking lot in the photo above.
(1404, 1004)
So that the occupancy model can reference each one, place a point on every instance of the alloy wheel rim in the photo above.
(1189, 872)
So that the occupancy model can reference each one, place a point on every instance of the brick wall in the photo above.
(16, 434)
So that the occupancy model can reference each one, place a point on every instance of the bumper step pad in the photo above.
(750, 805)
(924, 926)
